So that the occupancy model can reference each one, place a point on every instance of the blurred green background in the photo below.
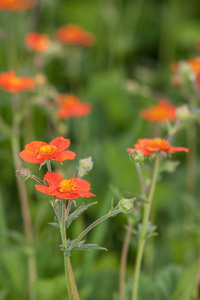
(127, 69)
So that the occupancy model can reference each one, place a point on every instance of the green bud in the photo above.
(185, 70)
(136, 156)
(183, 113)
(23, 174)
(85, 165)
(126, 205)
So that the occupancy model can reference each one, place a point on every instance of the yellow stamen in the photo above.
(67, 186)
(47, 150)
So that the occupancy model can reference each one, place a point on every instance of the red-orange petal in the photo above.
(65, 155)
(49, 190)
(61, 143)
(86, 194)
(30, 157)
(35, 145)
(53, 178)
(83, 185)
(177, 149)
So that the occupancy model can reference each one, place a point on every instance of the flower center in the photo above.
(67, 186)
(47, 150)
(15, 81)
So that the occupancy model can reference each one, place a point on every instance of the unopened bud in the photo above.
(23, 174)
(85, 165)
(126, 205)
(136, 156)
(185, 70)
(183, 113)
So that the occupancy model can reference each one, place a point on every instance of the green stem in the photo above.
(71, 285)
(197, 280)
(142, 239)
(23, 195)
(49, 165)
(123, 264)
(127, 238)
(95, 223)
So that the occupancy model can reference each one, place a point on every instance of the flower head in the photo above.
(17, 5)
(65, 188)
(37, 42)
(39, 152)
(161, 112)
(13, 84)
(149, 146)
(74, 35)
(71, 106)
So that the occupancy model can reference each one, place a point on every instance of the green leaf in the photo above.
(185, 285)
(169, 166)
(54, 224)
(77, 212)
(81, 246)
(150, 230)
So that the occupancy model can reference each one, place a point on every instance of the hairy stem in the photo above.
(142, 238)
(123, 264)
(95, 223)
(71, 285)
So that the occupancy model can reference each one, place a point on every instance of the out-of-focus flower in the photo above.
(71, 106)
(74, 35)
(38, 152)
(13, 84)
(149, 146)
(40, 79)
(37, 42)
(17, 5)
(194, 64)
(189, 68)
(160, 112)
(65, 188)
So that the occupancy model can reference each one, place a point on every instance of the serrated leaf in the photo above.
(88, 247)
(77, 212)
(54, 224)
(65, 250)
(185, 285)
(150, 230)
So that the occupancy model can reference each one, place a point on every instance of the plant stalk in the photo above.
(23, 195)
(142, 238)
(123, 264)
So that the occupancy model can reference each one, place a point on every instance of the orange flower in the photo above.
(39, 152)
(74, 35)
(71, 106)
(161, 112)
(194, 64)
(149, 146)
(37, 42)
(13, 84)
(17, 5)
(65, 188)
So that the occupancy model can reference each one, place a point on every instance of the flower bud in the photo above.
(85, 165)
(126, 205)
(136, 156)
(23, 174)
(183, 113)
